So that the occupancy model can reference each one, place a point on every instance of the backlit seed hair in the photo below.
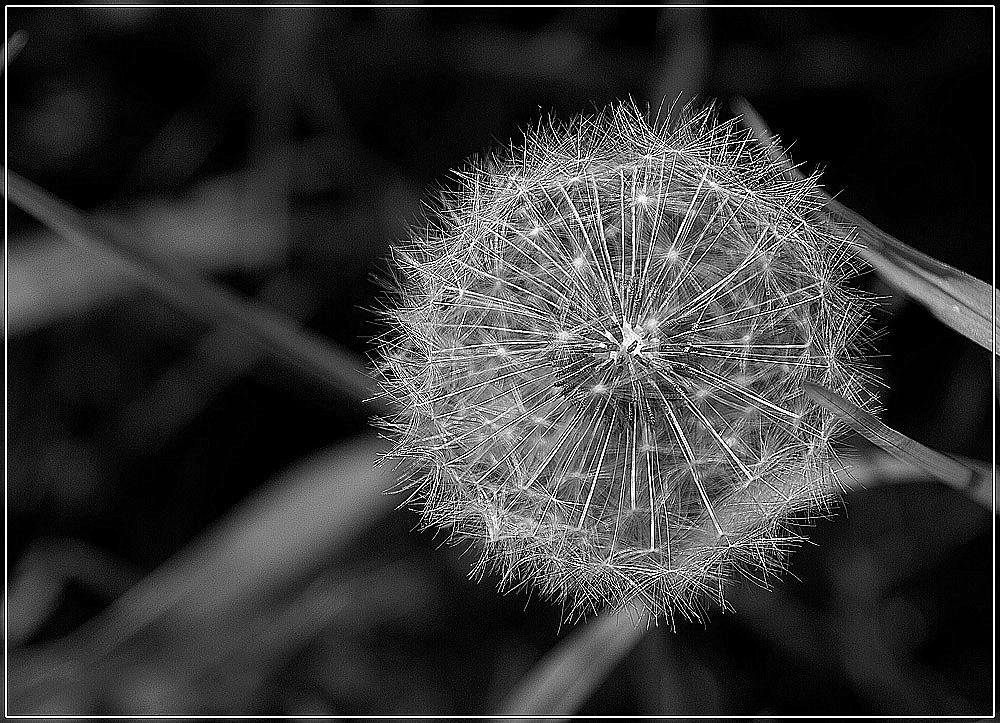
(596, 349)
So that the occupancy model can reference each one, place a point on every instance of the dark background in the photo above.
(280, 151)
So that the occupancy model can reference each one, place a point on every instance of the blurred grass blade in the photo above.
(753, 121)
(283, 532)
(962, 477)
(959, 300)
(568, 675)
(12, 47)
(44, 572)
(211, 303)
(956, 298)
(879, 468)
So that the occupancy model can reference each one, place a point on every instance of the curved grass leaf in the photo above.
(568, 675)
(12, 47)
(962, 477)
(285, 530)
(956, 298)
(226, 580)
(278, 334)
(959, 300)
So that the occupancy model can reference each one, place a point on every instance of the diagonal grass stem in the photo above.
(276, 333)
(956, 298)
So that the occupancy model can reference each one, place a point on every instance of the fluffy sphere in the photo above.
(596, 350)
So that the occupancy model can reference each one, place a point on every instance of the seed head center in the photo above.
(635, 342)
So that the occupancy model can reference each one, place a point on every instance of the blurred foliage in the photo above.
(281, 151)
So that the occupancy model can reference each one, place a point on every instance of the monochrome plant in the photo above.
(596, 353)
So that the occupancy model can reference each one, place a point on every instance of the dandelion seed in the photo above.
(601, 381)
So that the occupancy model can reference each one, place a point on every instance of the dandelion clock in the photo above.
(595, 355)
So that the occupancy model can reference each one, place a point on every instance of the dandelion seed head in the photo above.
(596, 350)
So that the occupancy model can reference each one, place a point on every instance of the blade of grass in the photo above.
(12, 46)
(223, 581)
(878, 468)
(341, 604)
(276, 333)
(959, 300)
(205, 229)
(567, 676)
(956, 298)
(964, 478)
(282, 532)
